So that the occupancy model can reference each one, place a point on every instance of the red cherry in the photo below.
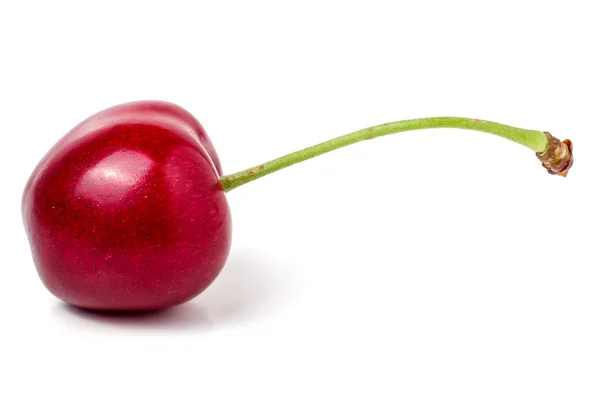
(126, 211)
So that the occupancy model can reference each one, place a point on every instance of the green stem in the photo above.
(535, 140)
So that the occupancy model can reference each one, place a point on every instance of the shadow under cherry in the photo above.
(247, 289)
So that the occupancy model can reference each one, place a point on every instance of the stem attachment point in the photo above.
(558, 156)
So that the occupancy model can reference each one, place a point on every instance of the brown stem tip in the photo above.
(558, 157)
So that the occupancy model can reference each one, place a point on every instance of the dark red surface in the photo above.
(126, 211)
(166, 110)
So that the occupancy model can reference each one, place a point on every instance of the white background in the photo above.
(438, 264)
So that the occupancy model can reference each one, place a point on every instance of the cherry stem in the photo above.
(556, 156)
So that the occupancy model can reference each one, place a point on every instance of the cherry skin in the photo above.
(171, 111)
(126, 211)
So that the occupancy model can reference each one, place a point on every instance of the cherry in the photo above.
(128, 210)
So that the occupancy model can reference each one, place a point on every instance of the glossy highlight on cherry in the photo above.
(128, 210)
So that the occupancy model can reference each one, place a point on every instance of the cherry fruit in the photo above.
(128, 210)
